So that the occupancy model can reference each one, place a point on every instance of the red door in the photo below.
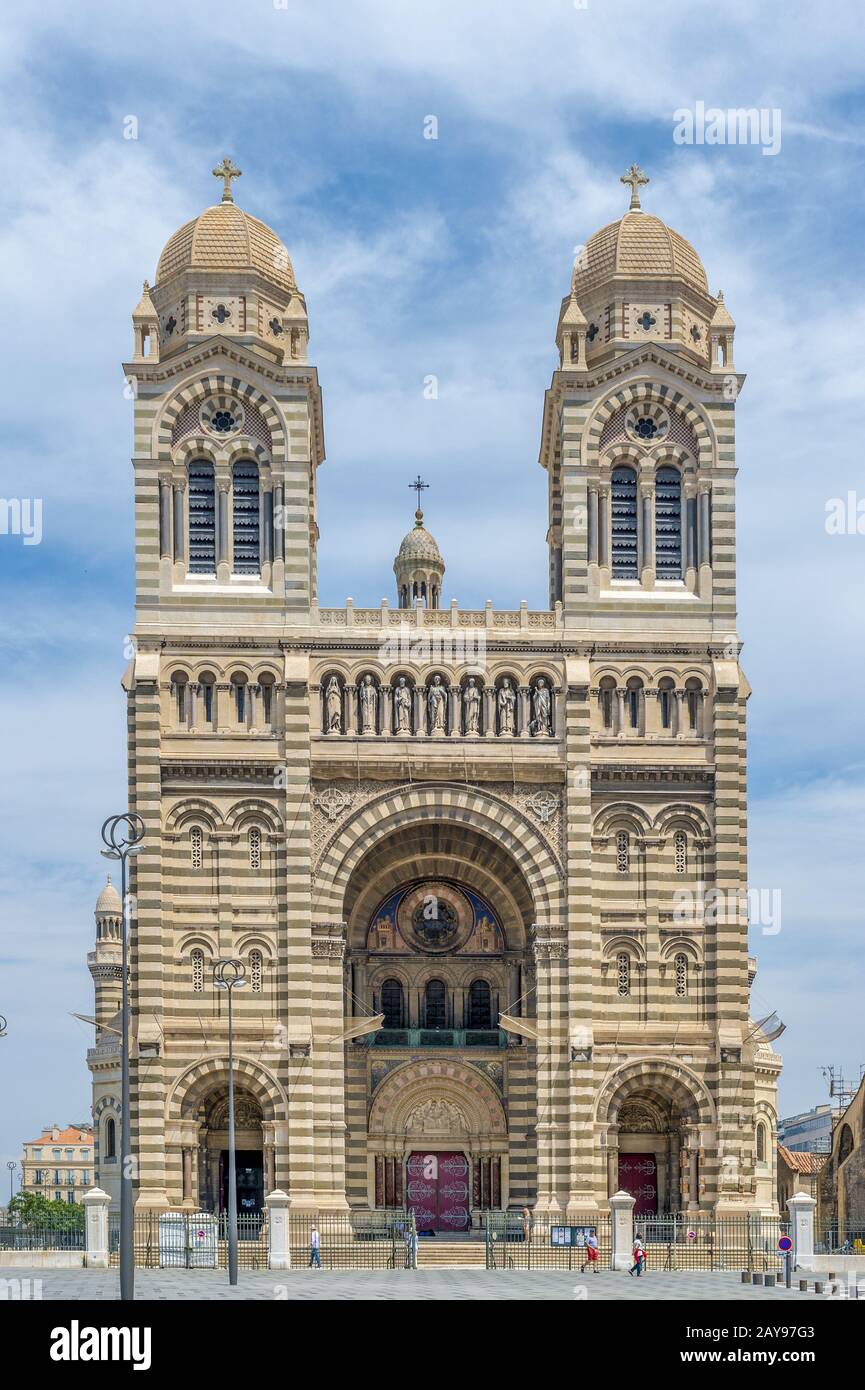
(437, 1191)
(638, 1174)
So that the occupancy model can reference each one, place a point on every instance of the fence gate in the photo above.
(542, 1242)
(712, 1243)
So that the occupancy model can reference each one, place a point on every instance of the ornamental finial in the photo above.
(637, 179)
(227, 171)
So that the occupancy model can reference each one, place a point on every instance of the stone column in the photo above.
(96, 1204)
(704, 541)
(553, 1137)
(593, 524)
(689, 538)
(165, 518)
(350, 708)
(194, 690)
(188, 1198)
(801, 1208)
(279, 1251)
(179, 528)
(622, 1212)
(604, 528)
(269, 1152)
(489, 699)
(621, 720)
(223, 563)
(385, 697)
(278, 522)
(524, 711)
(647, 537)
(328, 1067)
(455, 712)
(680, 713)
(612, 1164)
(652, 712)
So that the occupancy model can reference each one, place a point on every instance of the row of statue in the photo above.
(368, 695)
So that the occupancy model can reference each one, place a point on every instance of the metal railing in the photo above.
(684, 1241)
(440, 1037)
(14, 1237)
(839, 1238)
(354, 1240)
(544, 1242)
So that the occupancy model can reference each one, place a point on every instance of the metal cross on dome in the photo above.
(637, 179)
(419, 485)
(227, 171)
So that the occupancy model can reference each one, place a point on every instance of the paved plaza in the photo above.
(83, 1284)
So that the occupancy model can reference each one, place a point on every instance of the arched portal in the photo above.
(438, 918)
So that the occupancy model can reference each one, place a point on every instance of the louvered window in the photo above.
(202, 518)
(246, 523)
(624, 523)
(668, 524)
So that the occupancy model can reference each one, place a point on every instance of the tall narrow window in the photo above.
(480, 1005)
(267, 698)
(195, 847)
(635, 702)
(255, 971)
(246, 521)
(181, 696)
(197, 959)
(694, 698)
(240, 701)
(623, 499)
(255, 849)
(681, 964)
(761, 1143)
(681, 851)
(668, 524)
(623, 852)
(607, 695)
(435, 1004)
(110, 1138)
(392, 1004)
(623, 974)
(202, 518)
(208, 688)
(665, 703)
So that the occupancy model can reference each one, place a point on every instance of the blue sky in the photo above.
(418, 257)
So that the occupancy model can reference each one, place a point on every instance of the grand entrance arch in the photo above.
(438, 1144)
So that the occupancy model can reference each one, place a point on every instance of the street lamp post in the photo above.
(231, 975)
(11, 1165)
(122, 836)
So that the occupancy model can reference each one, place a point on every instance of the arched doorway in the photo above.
(655, 1116)
(213, 1166)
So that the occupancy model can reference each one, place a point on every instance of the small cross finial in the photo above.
(227, 171)
(419, 486)
(637, 179)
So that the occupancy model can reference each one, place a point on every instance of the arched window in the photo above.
(623, 508)
(761, 1143)
(681, 964)
(845, 1143)
(110, 1141)
(666, 700)
(241, 702)
(480, 1005)
(196, 847)
(255, 849)
(202, 518)
(197, 959)
(392, 1004)
(606, 700)
(634, 697)
(668, 524)
(623, 974)
(255, 971)
(180, 688)
(680, 847)
(266, 684)
(694, 699)
(246, 523)
(208, 697)
(623, 852)
(435, 1004)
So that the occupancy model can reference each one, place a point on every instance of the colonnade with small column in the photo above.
(441, 706)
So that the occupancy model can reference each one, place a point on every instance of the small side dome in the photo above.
(419, 567)
(108, 903)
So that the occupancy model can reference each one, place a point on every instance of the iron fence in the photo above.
(839, 1238)
(685, 1241)
(354, 1240)
(544, 1242)
(13, 1237)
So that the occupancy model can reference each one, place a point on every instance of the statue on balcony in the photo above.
(333, 706)
(507, 708)
(472, 706)
(368, 706)
(541, 708)
(402, 706)
(437, 705)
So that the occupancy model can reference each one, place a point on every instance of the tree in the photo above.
(30, 1209)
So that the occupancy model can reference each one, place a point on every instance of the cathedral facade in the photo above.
(484, 870)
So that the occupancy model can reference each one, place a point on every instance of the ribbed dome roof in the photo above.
(225, 237)
(638, 245)
(109, 899)
(418, 545)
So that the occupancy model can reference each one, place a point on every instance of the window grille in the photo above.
(246, 518)
(202, 518)
(623, 972)
(255, 849)
(623, 499)
(196, 846)
(681, 846)
(197, 972)
(668, 524)
(623, 852)
(681, 976)
(255, 971)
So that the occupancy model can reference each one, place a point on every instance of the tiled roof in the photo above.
(639, 245)
(225, 237)
(802, 1162)
(71, 1135)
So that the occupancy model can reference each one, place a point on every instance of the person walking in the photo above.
(314, 1248)
(639, 1258)
(592, 1254)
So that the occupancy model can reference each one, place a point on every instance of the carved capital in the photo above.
(328, 940)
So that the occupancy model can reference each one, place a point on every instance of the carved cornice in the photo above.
(328, 940)
(549, 942)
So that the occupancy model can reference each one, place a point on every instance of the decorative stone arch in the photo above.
(105, 1103)
(648, 391)
(196, 446)
(622, 815)
(680, 946)
(677, 457)
(193, 810)
(683, 817)
(617, 944)
(622, 455)
(246, 449)
(440, 801)
(253, 810)
(194, 1084)
(194, 941)
(204, 664)
(655, 1075)
(212, 385)
(462, 1086)
(254, 941)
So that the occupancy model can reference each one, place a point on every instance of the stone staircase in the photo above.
(450, 1253)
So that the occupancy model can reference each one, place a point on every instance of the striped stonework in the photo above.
(483, 870)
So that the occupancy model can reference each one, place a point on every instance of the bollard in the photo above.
(818, 1287)
(769, 1280)
(746, 1278)
(756, 1278)
(803, 1285)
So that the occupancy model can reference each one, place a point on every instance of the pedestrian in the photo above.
(639, 1258)
(412, 1247)
(592, 1253)
(314, 1248)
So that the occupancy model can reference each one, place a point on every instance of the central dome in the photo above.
(638, 246)
(224, 237)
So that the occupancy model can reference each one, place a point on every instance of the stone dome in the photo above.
(639, 246)
(224, 237)
(418, 545)
(109, 900)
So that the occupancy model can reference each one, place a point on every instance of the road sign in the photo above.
(785, 1243)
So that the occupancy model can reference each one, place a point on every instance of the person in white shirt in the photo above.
(314, 1248)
